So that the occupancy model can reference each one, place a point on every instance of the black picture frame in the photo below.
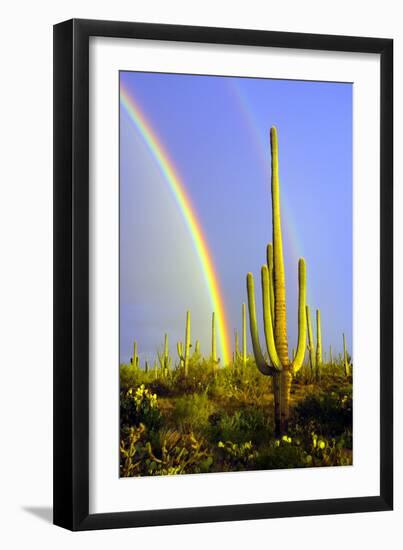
(71, 274)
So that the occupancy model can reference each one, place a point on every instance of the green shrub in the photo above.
(326, 413)
(250, 424)
(235, 456)
(246, 386)
(200, 376)
(140, 406)
(129, 377)
(329, 452)
(133, 450)
(280, 454)
(191, 411)
(163, 387)
(174, 453)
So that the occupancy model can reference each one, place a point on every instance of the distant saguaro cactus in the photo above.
(214, 343)
(236, 355)
(345, 357)
(311, 345)
(240, 357)
(184, 351)
(319, 359)
(281, 368)
(196, 355)
(135, 360)
(164, 358)
(244, 354)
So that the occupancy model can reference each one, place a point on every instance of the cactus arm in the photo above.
(257, 351)
(270, 264)
(267, 320)
(260, 360)
(299, 356)
(280, 328)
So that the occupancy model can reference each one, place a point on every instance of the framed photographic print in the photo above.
(223, 267)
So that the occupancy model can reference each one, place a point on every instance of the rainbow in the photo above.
(177, 187)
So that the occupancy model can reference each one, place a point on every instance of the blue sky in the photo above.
(216, 132)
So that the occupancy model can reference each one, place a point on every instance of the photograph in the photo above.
(200, 275)
(235, 274)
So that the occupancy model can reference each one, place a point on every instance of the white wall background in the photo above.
(26, 270)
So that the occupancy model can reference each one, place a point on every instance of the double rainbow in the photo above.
(182, 199)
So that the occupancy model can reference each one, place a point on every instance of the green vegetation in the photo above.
(222, 419)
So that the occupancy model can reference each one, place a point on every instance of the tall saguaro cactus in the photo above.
(164, 359)
(319, 359)
(280, 367)
(184, 352)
